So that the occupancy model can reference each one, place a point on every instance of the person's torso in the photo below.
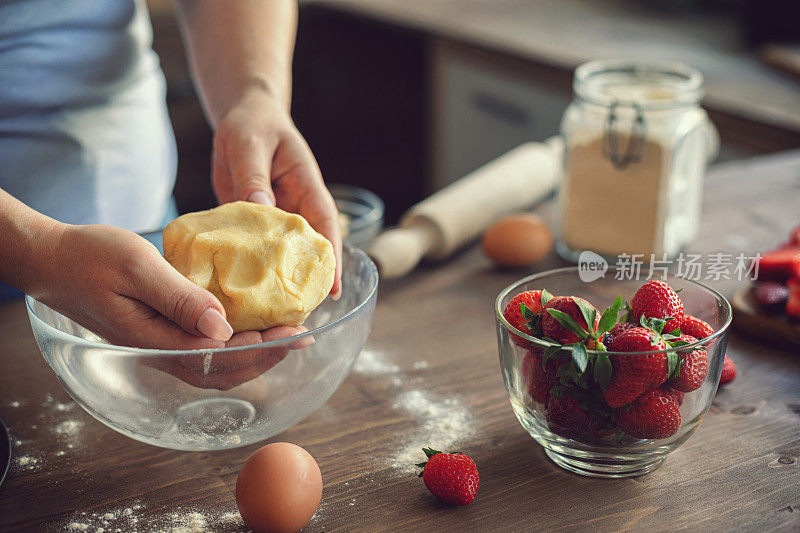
(84, 134)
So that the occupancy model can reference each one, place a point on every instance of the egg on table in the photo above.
(517, 240)
(278, 489)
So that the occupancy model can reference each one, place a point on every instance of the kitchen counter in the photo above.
(429, 376)
(565, 33)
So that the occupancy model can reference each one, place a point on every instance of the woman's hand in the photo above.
(118, 285)
(260, 156)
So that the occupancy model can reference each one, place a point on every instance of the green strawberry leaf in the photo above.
(580, 357)
(535, 325)
(589, 313)
(676, 332)
(527, 314)
(653, 324)
(602, 371)
(609, 317)
(568, 322)
(550, 352)
(673, 365)
(430, 452)
(679, 290)
(546, 297)
(675, 344)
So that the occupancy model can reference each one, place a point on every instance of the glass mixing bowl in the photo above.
(217, 399)
(603, 451)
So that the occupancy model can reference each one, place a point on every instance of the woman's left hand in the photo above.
(259, 156)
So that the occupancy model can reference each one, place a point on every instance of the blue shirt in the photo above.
(84, 132)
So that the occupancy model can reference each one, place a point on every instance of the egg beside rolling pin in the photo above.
(517, 240)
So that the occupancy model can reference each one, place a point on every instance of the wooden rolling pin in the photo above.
(443, 222)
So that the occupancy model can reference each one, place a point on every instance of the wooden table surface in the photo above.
(429, 375)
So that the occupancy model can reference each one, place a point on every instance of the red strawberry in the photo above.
(513, 313)
(616, 331)
(771, 296)
(793, 303)
(728, 371)
(567, 418)
(656, 299)
(780, 264)
(678, 395)
(451, 477)
(540, 379)
(567, 304)
(632, 375)
(794, 236)
(691, 325)
(694, 367)
(654, 415)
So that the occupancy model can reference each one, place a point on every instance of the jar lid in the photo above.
(642, 84)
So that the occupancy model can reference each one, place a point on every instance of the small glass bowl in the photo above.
(215, 399)
(607, 453)
(363, 210)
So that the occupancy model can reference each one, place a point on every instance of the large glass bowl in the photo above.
(608, 452)
(217, 399)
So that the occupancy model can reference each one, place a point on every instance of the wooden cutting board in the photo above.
(748, 318)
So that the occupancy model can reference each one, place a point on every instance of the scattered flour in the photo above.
(421, 365)
(444, 423)
(68, 427)
(371, 362)
(15, 403)
(64, 407)
(27, 462)
(135, 518)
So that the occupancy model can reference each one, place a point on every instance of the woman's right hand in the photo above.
(118, 285)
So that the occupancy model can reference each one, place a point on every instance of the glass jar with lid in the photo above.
(637, 144)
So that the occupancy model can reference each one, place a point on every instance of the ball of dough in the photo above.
(267, 267)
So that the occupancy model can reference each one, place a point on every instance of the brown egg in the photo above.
(517, 240)
(278, 489)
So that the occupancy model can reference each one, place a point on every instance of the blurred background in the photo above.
(404, 96)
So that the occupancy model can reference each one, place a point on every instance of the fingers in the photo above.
(246, 162)
(191, 307)
(299, 187)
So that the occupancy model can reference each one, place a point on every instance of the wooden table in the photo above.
(430, 368)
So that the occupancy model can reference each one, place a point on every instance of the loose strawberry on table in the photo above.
(654, 415)
(656, 299)
(793, 302)
(771, 296)
(780, 264)
(451, 477)
(728, 371)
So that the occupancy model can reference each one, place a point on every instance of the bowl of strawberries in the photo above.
(610, 375)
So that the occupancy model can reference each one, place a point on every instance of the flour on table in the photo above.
(444, 423)
(421, 365)
(27, 462)
(68, 427)
(15, 403)
(137, 518)
(372, 362)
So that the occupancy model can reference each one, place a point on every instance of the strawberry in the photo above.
(693, 367)
(793, 303)
(539, 378)
(653, 415)
(794, 236)
(771, 296)
(780, 264)
(616, 331)
(513, 313)
(569, 305)
(567, 418)
(633, 375)
(451, 477)
(699, 329)
(656, 299)
(678, 395)
(728, 371)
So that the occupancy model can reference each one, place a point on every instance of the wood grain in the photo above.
(739, 471)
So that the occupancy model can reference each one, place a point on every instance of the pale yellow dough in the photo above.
(267, 267)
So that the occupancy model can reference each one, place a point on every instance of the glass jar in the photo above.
(637, 144)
